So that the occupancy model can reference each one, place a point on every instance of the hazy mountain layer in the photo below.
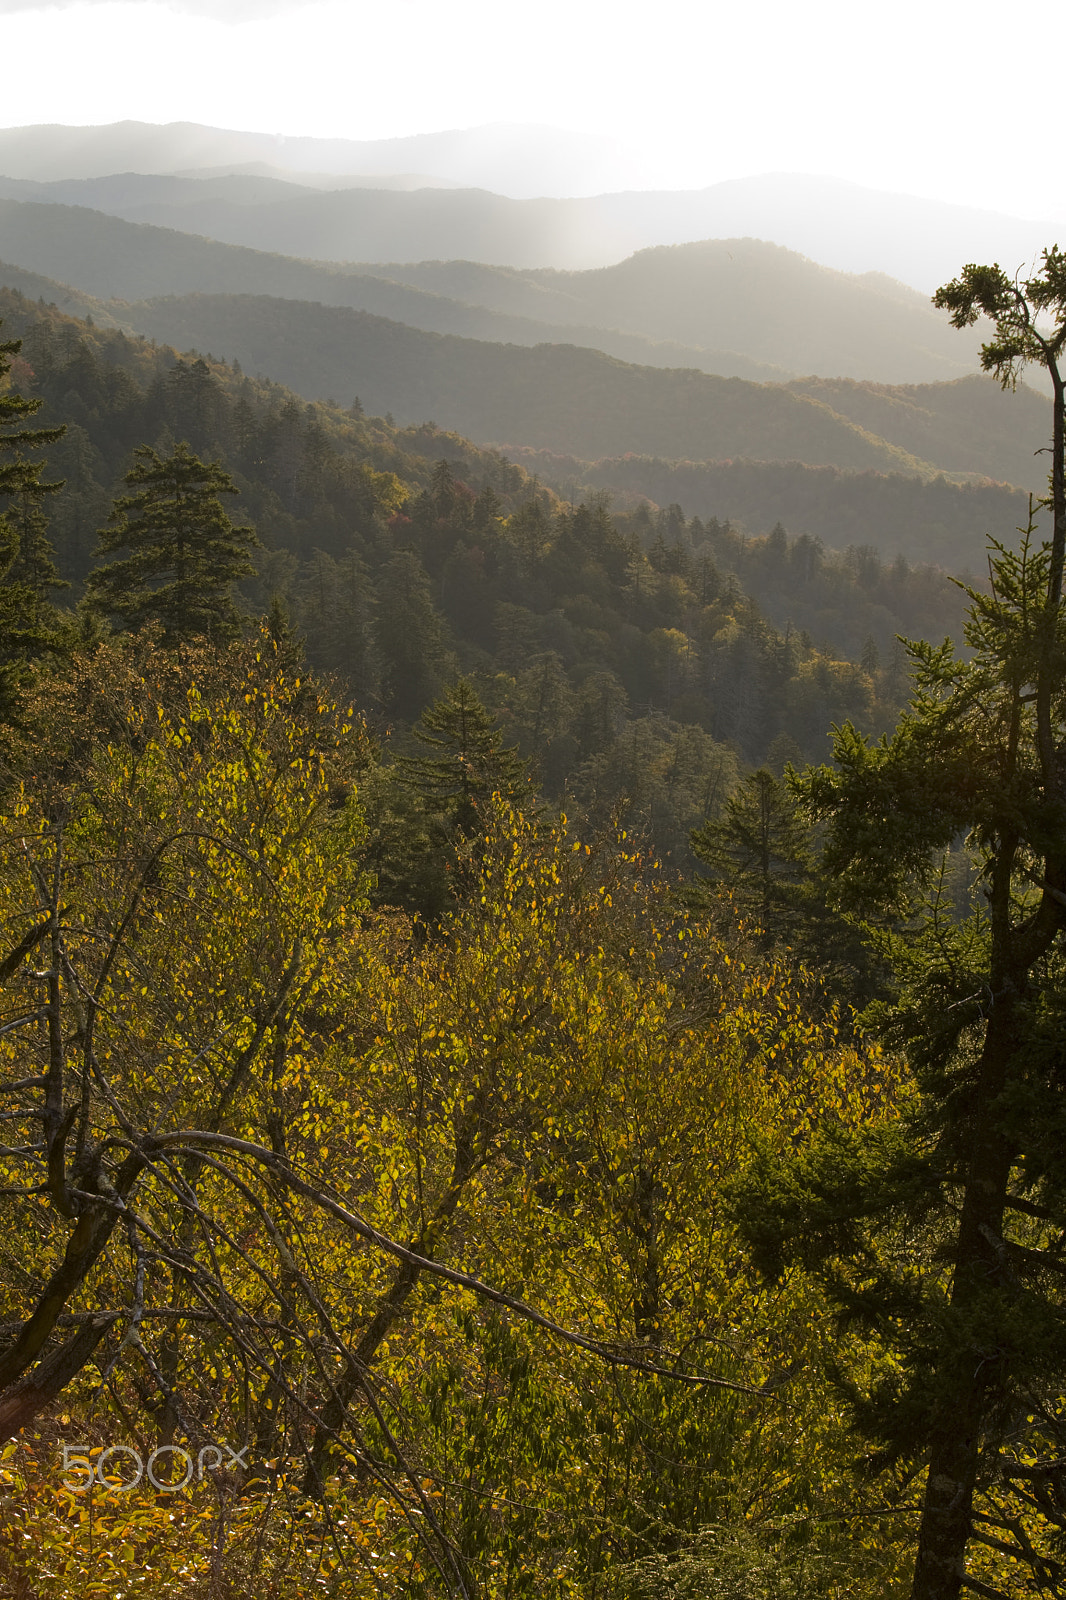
(971, 426)
(97, 251)
(855, 229)
(927, 521)
(740, 308)
(552, 397)
(512, 158)
(741, 294)
(396, 590)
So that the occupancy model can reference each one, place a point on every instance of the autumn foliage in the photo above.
(433, 1226)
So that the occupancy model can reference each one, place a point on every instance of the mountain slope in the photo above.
(104, 256)
(559, 397)
(936, 521)
(741, 294)
(552, 397)
(398, 589)
(968, 427)
(740, 308)
(971, 425)
(511, 158)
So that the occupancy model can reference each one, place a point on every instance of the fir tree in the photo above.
(469, 761)
(409, 636)
(942, 1230)
(27, 573)
(427, 831)
(761, 849)
(185, 554)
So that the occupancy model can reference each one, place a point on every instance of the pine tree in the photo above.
(942, 1230)
(34, 569)
(185, 554)
(469, 761)
(409, 636)
(761, 849)
(427, 830)
(27, 573)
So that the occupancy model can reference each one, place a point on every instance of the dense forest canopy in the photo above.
(486, 1089)
(668, 609)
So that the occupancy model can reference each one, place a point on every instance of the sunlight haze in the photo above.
(665, 98)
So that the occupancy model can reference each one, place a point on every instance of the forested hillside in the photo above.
(530, 1025)
(625, 653)
(762, 298)
(106, 257)
(554, 396)
(894, 513)
(735, 294)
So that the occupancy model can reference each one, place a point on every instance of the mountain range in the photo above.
(736, 307)
(732, 375)
(516, 159)
(522, 197)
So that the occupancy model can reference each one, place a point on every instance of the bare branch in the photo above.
(610, 1354)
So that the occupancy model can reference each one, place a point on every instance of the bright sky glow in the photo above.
(925, 97)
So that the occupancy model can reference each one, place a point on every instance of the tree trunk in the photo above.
(974, 1376)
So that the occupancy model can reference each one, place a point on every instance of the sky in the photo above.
(924, 97)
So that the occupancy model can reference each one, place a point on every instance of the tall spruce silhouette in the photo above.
(27, 572)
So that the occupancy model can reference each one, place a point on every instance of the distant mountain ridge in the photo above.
(581, 402)
(518, 159)
(578, 401)
(896, 510)
(747, 294)
(737, 308)
(557, 396)
(843, 225)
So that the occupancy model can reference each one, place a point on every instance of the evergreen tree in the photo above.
(27, 573)
(765, 852)
(761, 849)
(528, 530)
(409, 636)
(466, 761)
(34, 569)
(185, 554)
(334, 599)
(427, 830)
(543, 709)
(942, 1230)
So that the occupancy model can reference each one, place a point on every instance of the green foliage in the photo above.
(1016, 306)
(465, 763)
(405, 557)
(728, 1563)
(425, 821)
(528, 1116)
(764, 851)
(410, 637)
(935, 1232)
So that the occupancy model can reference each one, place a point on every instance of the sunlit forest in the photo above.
(530, 1051)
